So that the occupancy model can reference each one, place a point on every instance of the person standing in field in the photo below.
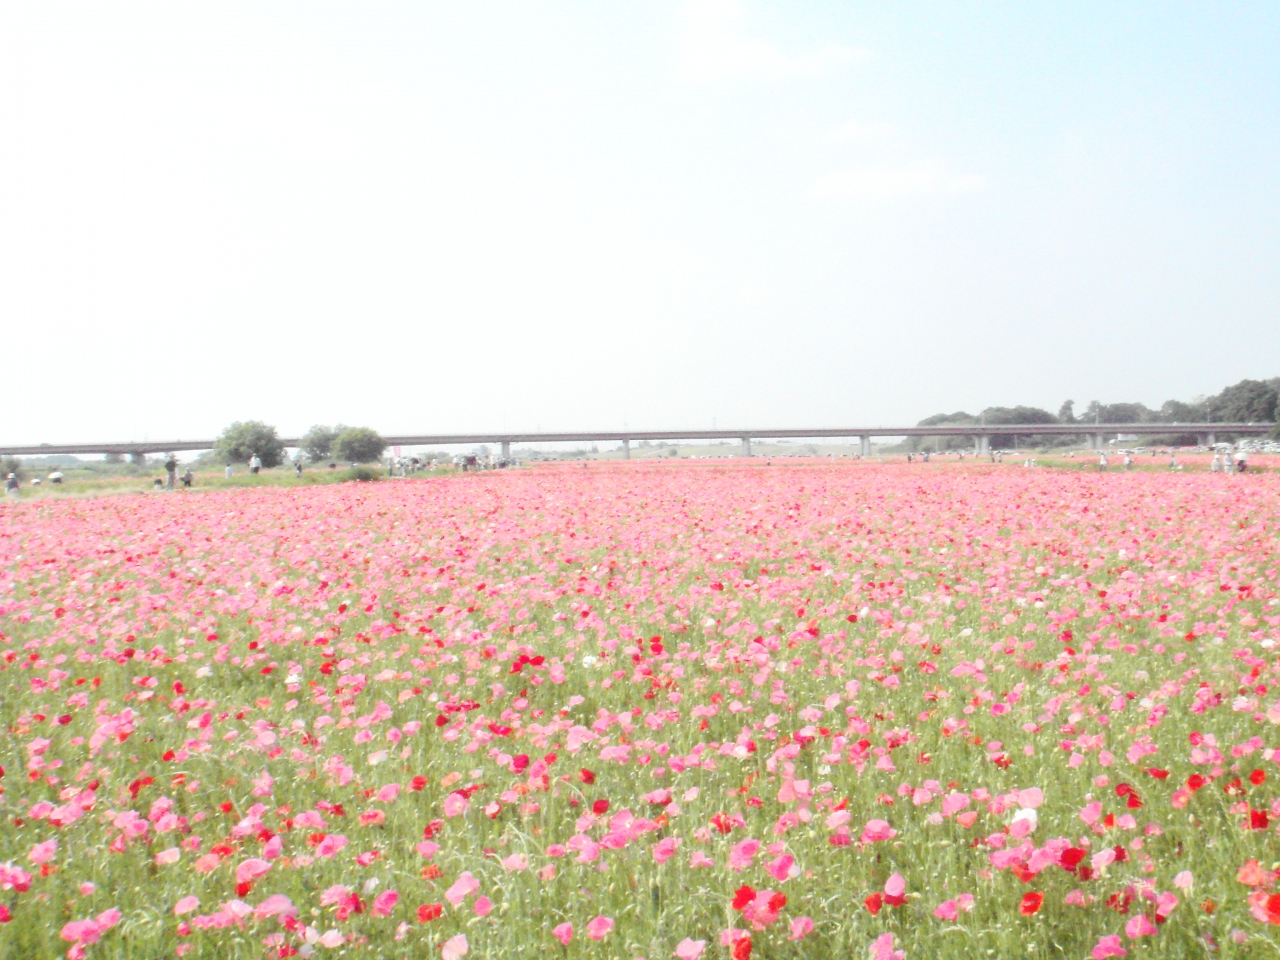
(254, 464)
(227, 473)
(1215, 464)
(297, 465)
(1102, 461)
(187, 478)
(1128, 462)
(11, 485)
(171, 471)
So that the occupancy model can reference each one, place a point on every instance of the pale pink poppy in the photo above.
(877, 830)
(384, 903)
(462, 888)
(801, 927)
(252, 869)
(599, 927)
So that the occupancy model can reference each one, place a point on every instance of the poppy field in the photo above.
(718, 710)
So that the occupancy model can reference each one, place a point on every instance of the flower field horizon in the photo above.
(688, 709)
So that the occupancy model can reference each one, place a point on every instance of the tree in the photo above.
(1067, 412)
(240, 441)
(1019, 414)
(959, 418)
(1126, 413)
(317, 443)
(1249, 401)
(358, 445)
(1175, 411)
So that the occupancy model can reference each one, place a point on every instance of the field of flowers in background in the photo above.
(646, 710)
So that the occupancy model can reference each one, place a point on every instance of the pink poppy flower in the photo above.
(801, 927)
(1108, 946)
(252, 869)
(462, 888)
(877, 830)
(43, 852)
(384, 903)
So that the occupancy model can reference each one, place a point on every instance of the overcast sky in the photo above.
(486, 216)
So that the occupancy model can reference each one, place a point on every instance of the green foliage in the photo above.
(12, 465)
(364, 474)
(358, 445)
(1175, 411)
(240, 441)
(938, 444)
(317, 443)
(1249, 401)
(1029, 415)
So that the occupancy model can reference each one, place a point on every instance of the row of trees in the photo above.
(1249, 401)
(243, 440)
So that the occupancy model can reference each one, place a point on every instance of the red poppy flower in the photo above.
(1030, 904)
(1071, 858)
(742, 948)
(742, 896)
(1271, 906)
(430, 911)
(874, 903)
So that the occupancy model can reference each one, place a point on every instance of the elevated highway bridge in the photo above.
(982, 434)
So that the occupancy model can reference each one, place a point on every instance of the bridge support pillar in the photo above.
(1210, 440)
(626, 449)
(746, 446)
(506, 450)
(1098, 445)
(984, 445)
(864, 444)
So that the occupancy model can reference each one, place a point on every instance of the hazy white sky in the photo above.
(485, 215)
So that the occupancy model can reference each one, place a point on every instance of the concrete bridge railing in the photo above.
(981, 434)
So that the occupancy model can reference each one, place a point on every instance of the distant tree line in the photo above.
(244, 440)
(1249, 401)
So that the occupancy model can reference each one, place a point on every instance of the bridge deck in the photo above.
(597, 436)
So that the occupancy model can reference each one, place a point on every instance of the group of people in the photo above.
(405, 466)
(171, 474)
(1128, 461)
(1222, 463)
